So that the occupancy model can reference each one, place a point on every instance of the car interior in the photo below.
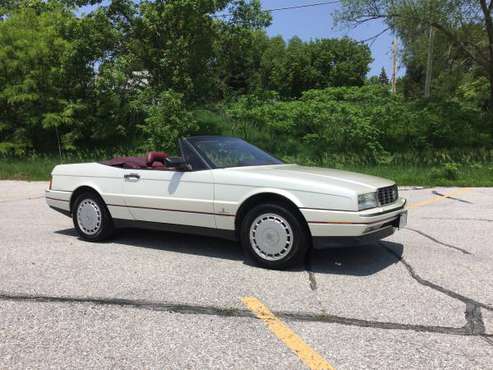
(152, 161)
(162, 161)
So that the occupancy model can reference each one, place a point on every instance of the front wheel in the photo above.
(274, 236)
(91, 217)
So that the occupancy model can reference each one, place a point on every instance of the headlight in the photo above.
(368, 200)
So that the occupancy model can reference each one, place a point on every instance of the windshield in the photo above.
(224, 152)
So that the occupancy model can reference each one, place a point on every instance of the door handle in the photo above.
(132, 176)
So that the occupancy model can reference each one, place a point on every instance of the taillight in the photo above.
(51, 179)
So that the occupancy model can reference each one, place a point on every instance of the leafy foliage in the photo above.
(47, 74)
(130, 76)
(367, 123)
(463, 31)
(167, 120)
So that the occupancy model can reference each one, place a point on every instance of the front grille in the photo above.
(387, 195)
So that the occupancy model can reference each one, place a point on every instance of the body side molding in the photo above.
(184, 229)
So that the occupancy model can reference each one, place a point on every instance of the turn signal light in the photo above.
(51, 179)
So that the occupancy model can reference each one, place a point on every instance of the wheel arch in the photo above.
(252, 200)
(82, 189)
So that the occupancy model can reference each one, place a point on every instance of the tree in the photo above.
(456, 20)
(315, 64)
(339, 62)
(382, 77)
(240, 43)
(46, 73)
(174, 42)
(299, 73)
(273, 64)
(167, 120)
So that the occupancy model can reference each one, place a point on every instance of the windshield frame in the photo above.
(193, 140)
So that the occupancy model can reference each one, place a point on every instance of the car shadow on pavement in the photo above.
(173, 242)
(358, 261)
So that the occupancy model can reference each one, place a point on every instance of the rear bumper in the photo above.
(352, 227)
(58, 200)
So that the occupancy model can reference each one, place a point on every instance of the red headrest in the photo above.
(155, 157)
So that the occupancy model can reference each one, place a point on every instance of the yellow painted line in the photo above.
(311, 358)
(438, 198)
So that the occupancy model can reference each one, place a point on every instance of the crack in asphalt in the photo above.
(474, 325)
(434, 286)
(487, 338)
(236, 312)
(313, 282)
(459, 219)
(311, 274)
(449, 197)
(474, 319)
(133, 303)
(474, 322)
(438, 241)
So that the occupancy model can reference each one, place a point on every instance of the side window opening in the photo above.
(189, 154)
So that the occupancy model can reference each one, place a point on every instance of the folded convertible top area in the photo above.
(153, 160)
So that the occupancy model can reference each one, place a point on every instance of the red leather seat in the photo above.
(153, 160)
(158, 165)
(127, 162)
(153, 157)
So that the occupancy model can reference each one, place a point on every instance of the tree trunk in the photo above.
(490, 103)
(429, 64)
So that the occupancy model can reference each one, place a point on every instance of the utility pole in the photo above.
(429, 64)
(394, 66)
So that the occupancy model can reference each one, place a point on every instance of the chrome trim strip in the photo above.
(387, 211)
(355, 223)
(369, 215)
(60, 200)
(172, 210)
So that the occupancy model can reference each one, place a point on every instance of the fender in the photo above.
(282, 192)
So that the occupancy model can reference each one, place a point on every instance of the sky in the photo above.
(317, 22)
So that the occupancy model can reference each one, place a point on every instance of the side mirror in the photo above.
(177, 162)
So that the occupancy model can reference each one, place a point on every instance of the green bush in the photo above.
(448, 171)
(362, 125)
(167, 120)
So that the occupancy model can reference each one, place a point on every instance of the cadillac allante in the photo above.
(225, 187)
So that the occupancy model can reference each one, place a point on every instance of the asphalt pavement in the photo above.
(422, 298)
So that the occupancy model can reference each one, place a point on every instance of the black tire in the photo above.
(104, 227)
(296, 248)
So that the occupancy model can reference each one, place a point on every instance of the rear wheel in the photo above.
(274, 236)
(91, 217)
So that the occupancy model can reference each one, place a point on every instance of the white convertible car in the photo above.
(223, 186)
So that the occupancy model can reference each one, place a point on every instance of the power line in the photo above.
(302, 6)
(287, 8)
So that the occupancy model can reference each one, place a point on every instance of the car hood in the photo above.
(292, 175)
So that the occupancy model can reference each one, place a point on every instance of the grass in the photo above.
(426, 176)
(29, 169)
(479, 175)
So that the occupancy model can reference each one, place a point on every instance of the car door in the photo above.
(171, 197)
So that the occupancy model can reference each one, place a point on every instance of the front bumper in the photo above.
(325, 242)
(362, 227)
